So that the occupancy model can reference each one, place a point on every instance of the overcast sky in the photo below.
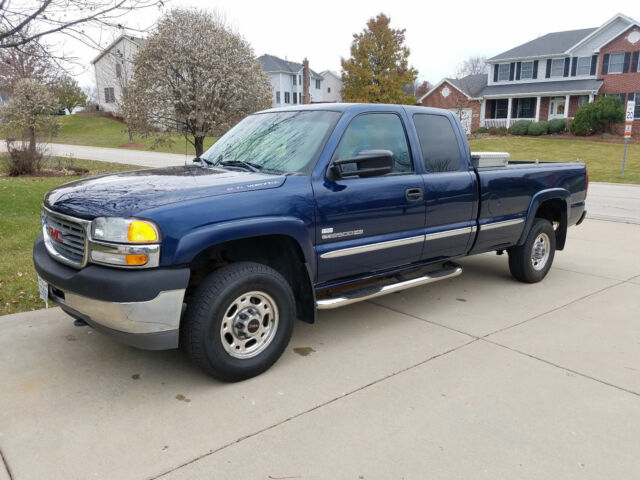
(439, 34)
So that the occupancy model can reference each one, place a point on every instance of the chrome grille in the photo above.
(65, 237)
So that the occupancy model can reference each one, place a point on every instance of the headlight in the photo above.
(124, 230)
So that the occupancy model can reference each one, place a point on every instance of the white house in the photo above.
(332, 86)
(113, 70)
(288, 82)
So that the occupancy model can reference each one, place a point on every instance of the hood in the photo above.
(127, 193)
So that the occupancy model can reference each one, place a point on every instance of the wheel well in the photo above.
(555, 210)
(280, 252)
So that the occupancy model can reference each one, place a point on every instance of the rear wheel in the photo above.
(239, 321)
(531, 261)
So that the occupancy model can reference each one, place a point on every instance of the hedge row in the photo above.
(527, 127)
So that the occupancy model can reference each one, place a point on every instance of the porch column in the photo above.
(509, 104)
(591, 97)
(566, 106)
(483, 108)
(538, 109)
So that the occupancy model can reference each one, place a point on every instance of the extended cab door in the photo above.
(370, 224)
(451, 189)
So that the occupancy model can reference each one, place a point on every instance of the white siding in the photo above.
(105, 71)
(333, 82)
(607, 34)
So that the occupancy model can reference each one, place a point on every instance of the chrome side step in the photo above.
(448, 270)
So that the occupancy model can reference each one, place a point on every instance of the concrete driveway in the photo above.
(475, 377)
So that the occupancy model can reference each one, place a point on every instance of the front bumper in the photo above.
(140, 308)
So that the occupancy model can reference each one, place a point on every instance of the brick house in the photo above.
(549, 77)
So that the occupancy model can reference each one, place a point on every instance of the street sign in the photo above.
(628, 118)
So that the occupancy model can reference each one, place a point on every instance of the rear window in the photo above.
(438, 143)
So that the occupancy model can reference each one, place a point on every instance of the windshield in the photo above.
(276, 141)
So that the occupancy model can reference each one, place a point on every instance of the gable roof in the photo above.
(136, 40)
(271, 63)
(618, 16)
(332, 73)
(556, 43)
(471, 85)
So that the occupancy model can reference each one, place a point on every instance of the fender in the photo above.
(537, 200)
(204, 237)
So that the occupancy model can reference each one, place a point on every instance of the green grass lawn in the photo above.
(106, 132)
(604, 160)
(20, 200)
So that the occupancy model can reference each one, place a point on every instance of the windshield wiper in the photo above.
(240, 163)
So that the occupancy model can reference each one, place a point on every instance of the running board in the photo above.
(448, 270)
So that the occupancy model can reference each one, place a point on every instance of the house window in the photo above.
(584, 66)
(300, 98)
(277, 97)
(118, 70)
(299, 79)
(294, 80)
(317, 84)
(287, 97)
(328, 89)
(525, 108)
(502, 106)
(636, 112)
(526, 70)
(557, 67)
(503, 72)
(583, 99)
(109, 95)
(295, 97)
(616, 62)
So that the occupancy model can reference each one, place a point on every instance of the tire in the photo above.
(531, 261)
(234, 305)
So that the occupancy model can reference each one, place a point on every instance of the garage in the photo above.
(464, 114)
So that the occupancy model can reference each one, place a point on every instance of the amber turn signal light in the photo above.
(136, 259)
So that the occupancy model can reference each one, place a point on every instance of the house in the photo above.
(549, 77)
(113, 69)
(332, 86)
(292, 82)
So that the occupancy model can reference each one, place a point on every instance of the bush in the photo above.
(23, 160)
(538, 128)
(520, 127)
(598, 116)
(557, 125)
(502, 131)
(482, 130)
(583, 123)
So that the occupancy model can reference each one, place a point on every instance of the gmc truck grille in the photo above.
(65, 238)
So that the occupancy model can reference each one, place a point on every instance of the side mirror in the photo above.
(368, 163)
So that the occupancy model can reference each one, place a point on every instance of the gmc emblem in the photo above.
(55, 234)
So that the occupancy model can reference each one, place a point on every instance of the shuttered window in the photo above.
(526, 70)
(584, 66)
(503, 72)
(109, 95)
(616, 62)
(557, 67)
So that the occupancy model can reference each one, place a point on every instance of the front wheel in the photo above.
(239, 321)
(531, 261)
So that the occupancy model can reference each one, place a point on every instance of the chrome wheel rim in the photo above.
(540, 251)
(249, 325)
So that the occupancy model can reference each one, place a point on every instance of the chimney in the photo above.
(306, 98)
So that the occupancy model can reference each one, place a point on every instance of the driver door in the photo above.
(370, 224)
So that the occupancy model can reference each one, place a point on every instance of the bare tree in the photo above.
(472, 66)
(195, 75)
(422, 87)
(29, 21)
(30, 60)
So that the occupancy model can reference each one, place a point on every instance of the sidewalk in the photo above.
(475, 377)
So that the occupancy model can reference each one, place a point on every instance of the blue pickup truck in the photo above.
(294, 210)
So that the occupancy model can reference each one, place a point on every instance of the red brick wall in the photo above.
(455, 99)
(619, 82)
(544, 109)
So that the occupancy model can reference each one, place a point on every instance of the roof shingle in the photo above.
(555, 43)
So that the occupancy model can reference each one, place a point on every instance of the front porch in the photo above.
(504, 112)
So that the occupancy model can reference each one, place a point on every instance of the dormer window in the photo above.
(526, 70)
(584, 66)
(557, 67)
(616, 62)
(503, 72)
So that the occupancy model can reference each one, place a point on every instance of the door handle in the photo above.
(413, 194)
